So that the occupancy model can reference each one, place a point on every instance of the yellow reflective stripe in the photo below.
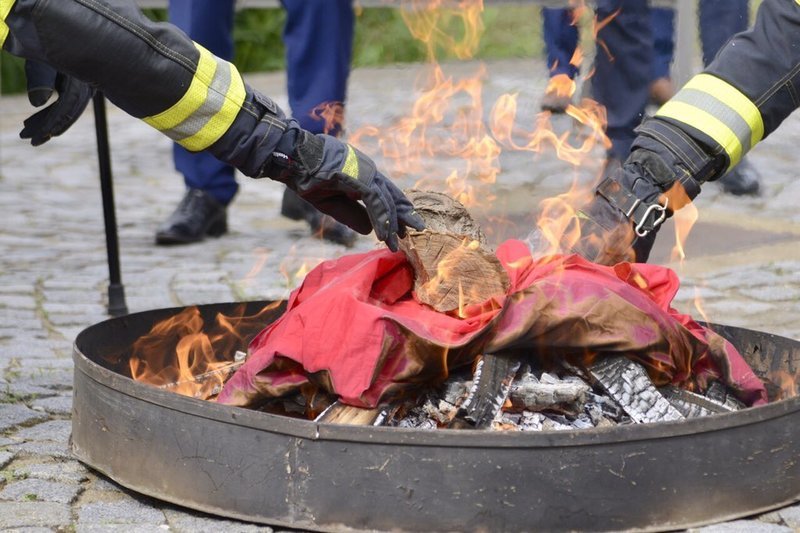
(192, 99)
(208, 108)
(5, 9)
(222, 120)
(708, 124)
(733, 98)
(351, 163)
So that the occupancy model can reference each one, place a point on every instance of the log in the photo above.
(340, 413)
(491, 383)
(452, 269)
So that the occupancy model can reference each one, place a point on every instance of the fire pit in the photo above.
(283, 471)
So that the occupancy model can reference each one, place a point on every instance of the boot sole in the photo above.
(216, 229)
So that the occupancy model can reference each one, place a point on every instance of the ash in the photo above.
(615, 391)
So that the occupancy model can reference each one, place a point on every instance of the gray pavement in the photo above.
(743, 262)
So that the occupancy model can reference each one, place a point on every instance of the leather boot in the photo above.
(198, 214)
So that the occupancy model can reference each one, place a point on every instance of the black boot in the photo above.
(742, 180)
(322, 226)
(197, 215)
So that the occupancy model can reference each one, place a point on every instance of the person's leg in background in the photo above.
(661, 86)
(560, 42)
(719, 21)
(319, 46)
(210, 183)
(623, 71)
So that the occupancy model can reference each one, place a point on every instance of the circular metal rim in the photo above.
(417, 437)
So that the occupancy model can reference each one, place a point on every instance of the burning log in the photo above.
(490, 388)
(627, 382)
(451, 269)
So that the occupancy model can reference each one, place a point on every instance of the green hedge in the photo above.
(381, 38)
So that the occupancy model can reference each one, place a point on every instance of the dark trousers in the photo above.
(631, 38)
(561, 40)
(318, 37)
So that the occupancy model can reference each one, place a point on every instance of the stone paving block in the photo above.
(44, 376)
(55, 405)
(12, 301)
(772, 294)
(39, 490)
(791, 516)
(69, 471)
(34, 514)
(128, 511)
(743, 526)
(6, 457)
(52, 430)
(14, 415)
(196, 522)
(19, 390)
(54, 450)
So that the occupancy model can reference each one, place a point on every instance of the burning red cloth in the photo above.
(354, 327)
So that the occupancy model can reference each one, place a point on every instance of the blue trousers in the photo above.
(632, 37)
(318, 37)
(561, 40)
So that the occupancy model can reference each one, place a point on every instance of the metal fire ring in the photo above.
(281, 471)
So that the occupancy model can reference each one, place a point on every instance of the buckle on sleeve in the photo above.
(645, 216)
(640, 228)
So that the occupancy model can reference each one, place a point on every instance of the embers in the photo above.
(502, 394)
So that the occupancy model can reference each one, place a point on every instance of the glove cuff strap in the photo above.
(646, 216)
(692, 162)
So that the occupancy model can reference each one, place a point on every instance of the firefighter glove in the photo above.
(55, 119)
(343, 182)
(663, 173)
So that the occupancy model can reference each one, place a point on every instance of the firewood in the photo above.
(443, 214)
(491, 384)
(452, 270)
(627, 382)
(340, 413)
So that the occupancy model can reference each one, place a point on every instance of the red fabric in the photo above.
(354, 327)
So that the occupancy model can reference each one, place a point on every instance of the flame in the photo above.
(561, 84)
(786, 381)
(185, 356)
(698, 304)
(684, 222)
(446, 121)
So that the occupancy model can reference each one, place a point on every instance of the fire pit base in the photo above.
(281, 471)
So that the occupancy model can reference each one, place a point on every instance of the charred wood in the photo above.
(627, 382)
(491, 385)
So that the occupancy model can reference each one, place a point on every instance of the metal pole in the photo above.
(685, 42)
(116, 292)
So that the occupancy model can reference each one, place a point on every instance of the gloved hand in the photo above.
(55, 119)
(663, 173)
(334, 177)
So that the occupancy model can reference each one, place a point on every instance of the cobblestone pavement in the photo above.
(743, 261)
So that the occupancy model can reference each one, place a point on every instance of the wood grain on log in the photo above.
(452, 270)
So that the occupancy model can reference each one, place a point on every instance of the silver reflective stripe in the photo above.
(217, 93)
(723, 112)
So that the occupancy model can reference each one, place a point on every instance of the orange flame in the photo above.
(182, 355)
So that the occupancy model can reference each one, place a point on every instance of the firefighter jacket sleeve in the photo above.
(698, 136)
(745, 93)
(156, 73)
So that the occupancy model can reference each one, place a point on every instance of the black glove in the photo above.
(55, 119)
(334, 176)
(663, 173)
